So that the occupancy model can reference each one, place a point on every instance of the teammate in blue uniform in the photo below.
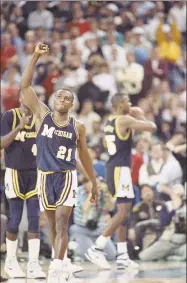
(118, 138)
(59, 136)
(18, 139)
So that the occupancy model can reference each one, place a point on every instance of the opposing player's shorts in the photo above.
(20, 184)
(57, 189)
(120, 183)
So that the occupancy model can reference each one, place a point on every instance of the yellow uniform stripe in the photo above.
(116, 179)
(47, 206)
(75, 128)
(60, 125)
(26, 126)
(14, 119)
(16, 185)
(123, 138)
(66, 189)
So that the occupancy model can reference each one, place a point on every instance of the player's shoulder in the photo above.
(123, 119)
(9, 114)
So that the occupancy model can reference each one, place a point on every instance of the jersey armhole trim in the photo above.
(120, 136)
(26, 126)
(14, 119)
(37, 131)
(75, 127)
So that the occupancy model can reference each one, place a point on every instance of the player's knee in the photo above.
(33, 214)
(34, 224)
(13, 223)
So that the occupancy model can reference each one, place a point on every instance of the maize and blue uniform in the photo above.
(20, 157)
(119, 164)
(21, 172)
(56, 162)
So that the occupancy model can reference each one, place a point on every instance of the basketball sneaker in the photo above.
(97, 257)
(69, 266)
(34, 270)
(13, 269)
(54, 274)
(125, 262)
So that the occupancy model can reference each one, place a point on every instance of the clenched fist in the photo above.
(41, 49)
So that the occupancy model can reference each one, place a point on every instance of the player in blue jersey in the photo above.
(118, 138)
(59, 137)
(18, 139)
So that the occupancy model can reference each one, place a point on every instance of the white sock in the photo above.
(122, 249)
(57, 264)
(66, 255)
(34, 249)
(11, 247)
(53, 253)
(101, 242)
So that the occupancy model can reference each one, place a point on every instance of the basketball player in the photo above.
(59, 136)
(118, 137)
(18, 138)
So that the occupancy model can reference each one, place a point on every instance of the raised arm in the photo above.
(30, 98)
(136, 121)
(86, 160)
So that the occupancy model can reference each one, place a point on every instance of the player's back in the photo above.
(119, 147)
(56, 145)
(21, 153)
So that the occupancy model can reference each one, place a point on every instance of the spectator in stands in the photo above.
(178, 12)
(99, 165)
(41, 17)
(172, 243)
(8, 50)
(169, 40)
(89, 220)
(87, 116)
(114, 54)
(155, 67)
(145, 217)
(149, 173)
(78, 21)
(131, 77)
(142, 46)
(170, 175)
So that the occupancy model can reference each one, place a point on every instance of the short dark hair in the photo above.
(118, 98)
(68, 90)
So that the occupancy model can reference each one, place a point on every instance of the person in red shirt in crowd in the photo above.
(137, 161)
(7, 51)
(78, 21)
(52, 76)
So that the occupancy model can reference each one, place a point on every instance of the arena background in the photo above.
(99, 48)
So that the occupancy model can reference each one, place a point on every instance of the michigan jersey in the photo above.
(118, 146)
(56, 145)
(21, 153)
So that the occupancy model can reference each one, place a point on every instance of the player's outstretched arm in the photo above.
(129, 122)
(86, 160)
(29, 96)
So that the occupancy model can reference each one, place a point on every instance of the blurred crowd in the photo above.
(98, 48)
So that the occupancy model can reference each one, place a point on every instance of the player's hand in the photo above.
(23, 121)
(41, 49)
(94, 192)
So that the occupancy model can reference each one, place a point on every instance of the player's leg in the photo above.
(121, 185)
(12, 267)
(33, 214)
(58, 265)
(51, 215)
(95, 253)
